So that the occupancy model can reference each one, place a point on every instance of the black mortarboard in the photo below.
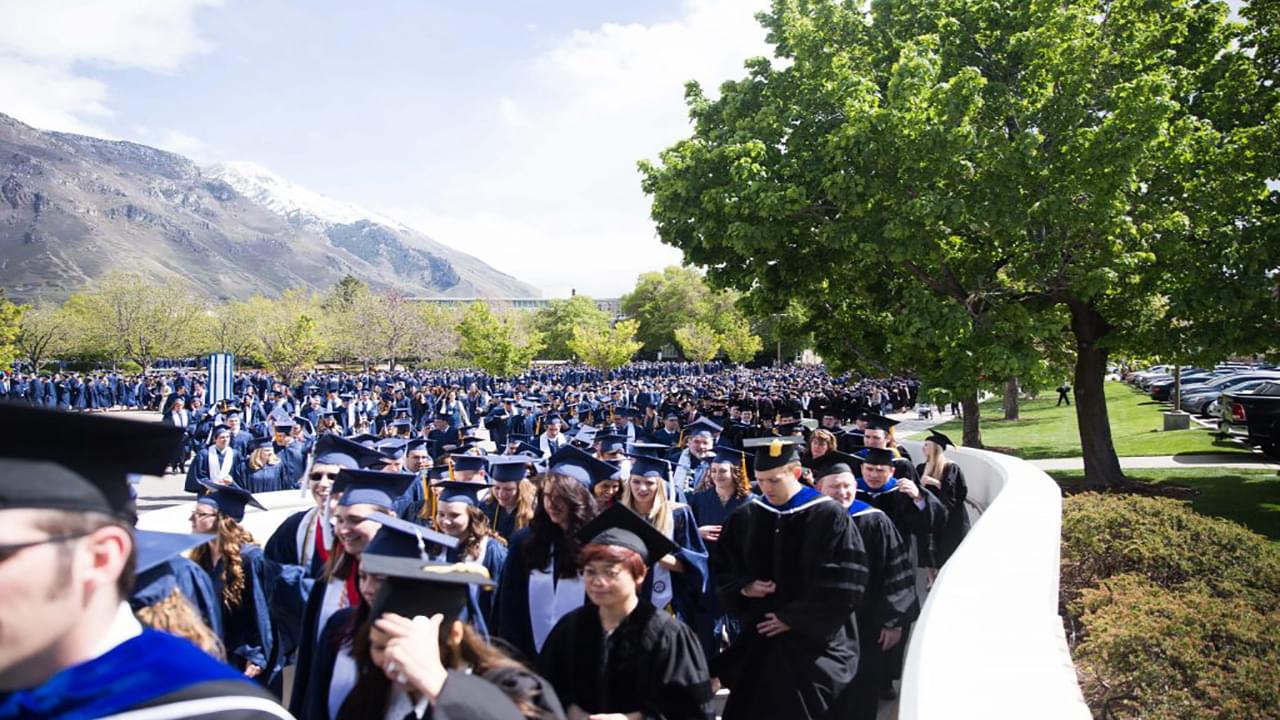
(260, 442)
(154, 547)
(469, 462)
(438, 472)
(773, 452)
(620, 526)
(832, 463)
(646, 466)
(331, 449)
(789, 428)
(648, 449)
(509, 468)
(939, 439)
(402, 538)
(727, 455)
(879, 422)
(572, 462)
(371, 487)
(527, 450)
(701, 426)
(877, 456)
(229, 500)
(412, 587)
(611, 442)
(365, 439)
(392, 448)
(463, 492)
(38, 468)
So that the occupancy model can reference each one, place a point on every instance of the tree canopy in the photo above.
(561, 320)
(973, 181)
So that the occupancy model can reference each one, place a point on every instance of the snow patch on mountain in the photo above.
(299, 205)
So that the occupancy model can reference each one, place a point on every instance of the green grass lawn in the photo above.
(1046, 431)
(1249, 497)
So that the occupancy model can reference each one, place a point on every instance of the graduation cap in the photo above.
(230, 500)
(728, 456)
(154, 580)
(218, 430)
(402, 538)
(628, 411)
(647, 466)
(877, 456)
(574, 463)
(611, 442)
(306, 424)
(879, 422)
(39, 470)
(371, 487)
(261, 442)
(527, 450)
(332, 449)
(412, 587)
(648, 449)
(940, 440)
(773, 452)
(702, 426)
(620, 526)
(463, 492)
(469, 463)
(789, 428)
(438, 472)
(514, 438)
(552, 419)
(365, 439)
(392, 448)
(834, 463)
(509, 468)
(283, 424)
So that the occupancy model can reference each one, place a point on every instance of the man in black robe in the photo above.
(792, 568)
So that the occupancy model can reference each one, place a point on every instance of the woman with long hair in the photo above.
(540, 582)
(358, 493)
(239, 573)
(620, 656)
(945, 480)
(676, 581)
(173, 594)
(821, 442)
(727, 489)
(415, 651)
(512, 496)
(459, 515)
(263, 471)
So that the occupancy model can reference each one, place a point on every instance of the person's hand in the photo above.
(911, 489)
(771, 626)
(252, 671)
(672, 563)
(709, 533)
(759, 588)
(413, 653)
(889, 637)
(931, 481)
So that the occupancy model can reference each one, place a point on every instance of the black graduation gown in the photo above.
(950, 530)
(651, 663)
(511, 604)
(890, 601)
(811, 551)
(314, 687)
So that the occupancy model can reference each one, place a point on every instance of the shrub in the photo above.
(1155, 653)
(1170, 545)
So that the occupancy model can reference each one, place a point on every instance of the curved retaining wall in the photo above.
(989, 642)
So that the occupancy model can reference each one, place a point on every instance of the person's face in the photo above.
(553, 430)
(222, 441)
(352, 527)
(643, 489)
(746, 416)
(606, 491)
(283, 438)
(828, 421)
(620, 421)
(204, 519)
(930, 448)
(608, 584)
(452, 518)
(778, 484)
(440, 424)
(672, 424)
(369, 584)
(506, 493)
(378, 646)
(321, 477)
(233, 423)
(721, 474)
(876, 475)
(839, 487)
(700, 444)
(42, 595)
(416, 460)
(875, 438)
(818, 447)
(557, 508)
(475, 476)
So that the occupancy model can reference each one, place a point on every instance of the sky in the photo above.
(508, 130)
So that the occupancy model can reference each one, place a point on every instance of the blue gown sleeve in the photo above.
(511, 601)
(693, 552)
(495, 558)
(197, 586)
(249, 634)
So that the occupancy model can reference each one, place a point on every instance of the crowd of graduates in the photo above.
(567, 543)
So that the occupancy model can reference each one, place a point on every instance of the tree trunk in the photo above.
(1101, 465)
(972, 437)
(1011, 398)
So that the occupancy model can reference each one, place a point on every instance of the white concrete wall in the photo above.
(989, 642)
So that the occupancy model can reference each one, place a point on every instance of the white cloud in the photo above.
(557, 202)
(45, 45)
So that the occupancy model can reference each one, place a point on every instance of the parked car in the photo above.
(1198, 399)
(1253, 416)
(1163, 389)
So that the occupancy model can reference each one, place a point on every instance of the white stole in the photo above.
(550, 600)
(218, 471)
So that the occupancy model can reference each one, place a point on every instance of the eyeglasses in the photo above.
(8, 551)
(318, 476)
(195, 515)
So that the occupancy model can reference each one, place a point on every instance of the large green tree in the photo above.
(608, 347)
(560, 320)
(494, 342)
(11, 315)
(43, 334)
(985, 168)
(124, 316)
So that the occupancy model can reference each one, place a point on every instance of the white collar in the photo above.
(124, 627)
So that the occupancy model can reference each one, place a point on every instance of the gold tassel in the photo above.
(680, 440)
(449, 461)
(537, 427)
(428, 511)
(743, 461)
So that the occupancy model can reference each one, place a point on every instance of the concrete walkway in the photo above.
(1236, 461)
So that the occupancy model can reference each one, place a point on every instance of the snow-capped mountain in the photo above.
(300, 206)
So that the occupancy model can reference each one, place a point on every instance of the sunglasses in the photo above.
(8, 551)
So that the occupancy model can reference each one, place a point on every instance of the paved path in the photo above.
(1236, 461)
